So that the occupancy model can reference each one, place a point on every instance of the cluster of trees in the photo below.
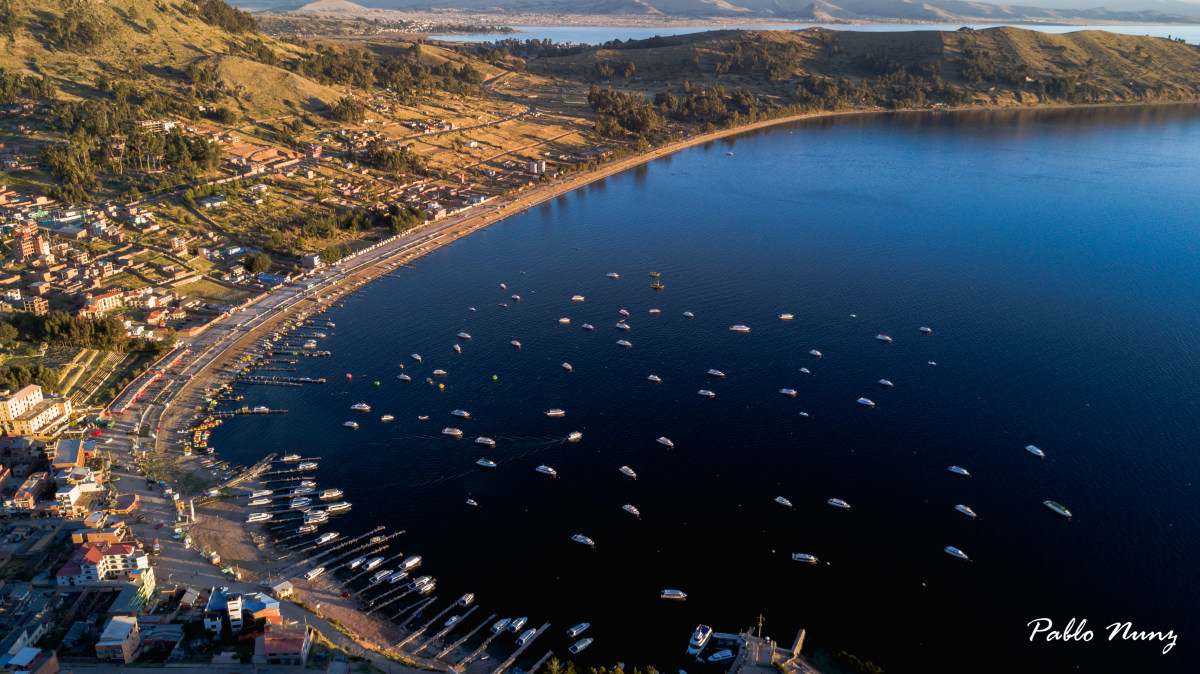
(501, 49)
(14, 87)
(379, 155)
(75, 30)
(257, 263)
(58, 327)
(220, 14)
(348, 110)
(14, 377)
(9, 23)
(607, 69)
(631, 113)
(396, 219)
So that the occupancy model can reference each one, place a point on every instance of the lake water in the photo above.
(602, 34)
(1054, 255)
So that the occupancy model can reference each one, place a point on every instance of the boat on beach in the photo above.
(721, 655)
(330, 494)
(372, 563)
(499, 625)
(339, 507)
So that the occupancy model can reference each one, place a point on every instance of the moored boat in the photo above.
(259, 517)
(580, 645)
(452, 432)
(666, 442)
(699, 639)
(580, 538)
(330, 494)
(307, 465)
(628, 472)
(955, 552)
(739, 328)
(1058, 508)
(803, 557)
(966, 510)
(960, 470)
(678, 595)
(839, 503)
(547, 470)
(721, 655)
(783, 501)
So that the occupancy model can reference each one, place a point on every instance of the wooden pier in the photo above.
(540, 662)
(447, 650)
(442, 632)
(415, 608)
(513, 658)
(426, 626)
(470, 658)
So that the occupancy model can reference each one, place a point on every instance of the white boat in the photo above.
(307, 465)
(416, 357)
(655, 378)
(588, 326)
(805, 370)
(739, 328)
(866, 402)
(960, 470)
(267, 492)
(564, 321)
(1057, 507)
(499, 625)
(503, 286)
(461, 413)
(721, 655)
(316, 516)
(555, 413)
(613, 274)
(306, 528)
(473, 503)
(355, 563)
(688, 314)
(716, 373)
(783, 501)
(516, 625)
(622, 342)
(567, 367)
(463, 335)
(802, 557)
(380, 577)
(628, 472)
(314, 573)
(886, 383)
(666, 442)
(453, 619)
(837, 502)
(699, 639)
(575, 436)
(1035, 451)
(804, 414)
(678, 595)
(516, 298)
(439, 373)
(577, 298)
(457, 348)
(299, 503)
(966, 510)
(515, 343)
(622, 325)
(623, 312)
(547, 470)
(578, 629)
(386, 418)
(790, 392)
(525, 637)
(580, 538)
(883, 338)
(786, 317)
(260, 502)
(327, 537)
(814, 353)
(578, 646)
(485, 441)
(466, 600)
(452, 432)
(259, 517)
(951, 550)
(261, 408)
(360, 407)
(707, 393)
(926, 330)
(411, 563)
(372, 563)
(632, 510)
(303, 489)
(403, 377)
(486, 463)
(351, 424)
(655, 312)
(339, 507)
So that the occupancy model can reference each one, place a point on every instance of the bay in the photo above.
(1053, 254)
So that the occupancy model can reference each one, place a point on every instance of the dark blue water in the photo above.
(1052, 252)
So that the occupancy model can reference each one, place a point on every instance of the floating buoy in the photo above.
(494, 377)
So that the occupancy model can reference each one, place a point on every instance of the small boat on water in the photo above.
(372, 563)
(555, 413)
(567, 367)
(499, 625)
(739, 328)
(423, 417)
(461, 413)
(463, 335)
(699, 639)
(790, 392)
(360, 407)
(655, 312)
(580, 538)
(503, 286)
(578, 646)
(805, 370)
(289, 458)
(515, 343)
(624, 343)
(452, 432)
(578, 629)
(330, 494)
(678, 595)
(814, 353)
(416, 357)
(622, 325)
(966, 510)
(837, 502)
(960, 470)
(577, 298)
(632, 510)
(485, 441)
(655, 378)
(547, 470)
(1035, 451)
(926, 330)
(866, 402)
(721, 655)
(623, 312)
(707, 393)
(516, 298)
(439, 373)
(688, 314)
(486, 463)
(457, 348)
(613, 274)
(716, 373)
(666, 442)
(883, 338)
(786, 317)
(575, 436)
(1058, 508)
(886, 383)
(802, 557)
(403, 377)
(783, 501)
(387, 417)
(472, 502)
(466, 600)
(564, 321)
(339, 507)
(327, 537)
(955, 552)
(588, 326)
(355, 563)
(516, 625)
(628, 472)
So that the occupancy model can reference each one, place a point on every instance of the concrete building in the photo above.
(27, 413)
(29, 491)
(30, 661)
(98, 563)
(281, 645)
(37, 306)
(72, 453)
(223, 604)
(120, 641)
(29, 244)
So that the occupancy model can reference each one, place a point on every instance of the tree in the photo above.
(8, 333)
(257, 263)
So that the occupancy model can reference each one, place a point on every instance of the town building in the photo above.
(27, 413)
(29, 244)
(120, 641)
(30, 660)
(37, 306)
(284, 645)
(100, 563)
(27, 494)
(223, 604)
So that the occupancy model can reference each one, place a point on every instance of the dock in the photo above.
(442, 632)
(447, 650)
(513, 658)
(426, 626)
(540, 662)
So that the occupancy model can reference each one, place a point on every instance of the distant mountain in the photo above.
(928, 11)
